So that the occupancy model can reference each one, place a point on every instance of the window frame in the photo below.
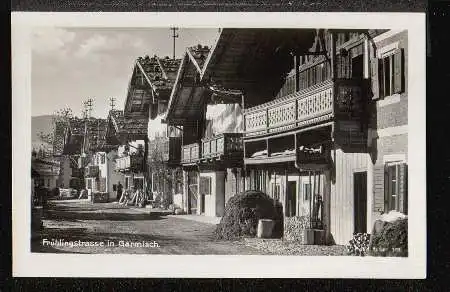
(387, 71)
(390, 203)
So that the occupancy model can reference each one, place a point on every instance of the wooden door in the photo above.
(291, 198)
(202, 204)
(360, 201)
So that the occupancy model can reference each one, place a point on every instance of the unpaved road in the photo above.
(81, 223)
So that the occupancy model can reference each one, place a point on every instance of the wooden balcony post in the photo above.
(333, 55)
(297, 71)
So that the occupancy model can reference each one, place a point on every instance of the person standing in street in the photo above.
(119, 191)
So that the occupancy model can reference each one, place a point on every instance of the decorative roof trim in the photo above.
(211, 53)
(176, 85)
(162, 68)
(145, 75)
(199, 70)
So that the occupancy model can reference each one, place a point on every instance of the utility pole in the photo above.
(174, 36)
(89, 105)
(112, 102)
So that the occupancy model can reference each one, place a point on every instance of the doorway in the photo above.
(291, 199)
(360, 201)
(202, 204)
(358, 67)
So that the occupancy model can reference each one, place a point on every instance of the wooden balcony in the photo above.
(328, 101)
(165, 149)
(190, 153)
(225, 145)
(133, 163)
(91, 171)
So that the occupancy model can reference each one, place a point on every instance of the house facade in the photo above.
(148, 91)
(164, 141)
(323, 131)
(210, 141)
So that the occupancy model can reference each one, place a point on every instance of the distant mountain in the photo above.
(40, 124)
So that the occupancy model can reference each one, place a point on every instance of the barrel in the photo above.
(265, 227)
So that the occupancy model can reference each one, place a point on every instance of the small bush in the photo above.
(358, 245)
(392, 240)
(243, 212)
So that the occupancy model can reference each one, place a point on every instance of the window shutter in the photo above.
(403, 188)
(378, 189)
(386, 192)
(375, 78)
(398, 72)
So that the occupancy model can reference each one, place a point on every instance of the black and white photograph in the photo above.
(286, 141)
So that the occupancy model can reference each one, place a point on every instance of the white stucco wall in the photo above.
(178, 200)
(225, 118)
(214, 203)
(113, 177)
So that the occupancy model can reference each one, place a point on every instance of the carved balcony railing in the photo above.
(132, 163)
(324, 102)
(91, 171)
(190, 153)
(225, 144)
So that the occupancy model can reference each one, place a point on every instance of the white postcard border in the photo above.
(26, 263)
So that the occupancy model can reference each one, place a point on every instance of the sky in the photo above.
(70, 65)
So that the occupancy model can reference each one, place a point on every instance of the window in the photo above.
(391, 73)
(89, 184)
(205, 185)
(395, 187)
(103, 158)
(306, 192)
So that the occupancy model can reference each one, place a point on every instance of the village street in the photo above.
(80, 220)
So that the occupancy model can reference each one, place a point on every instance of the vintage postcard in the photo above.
(219, 145)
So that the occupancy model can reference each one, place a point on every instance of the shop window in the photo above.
(395, 187)
(391, 73)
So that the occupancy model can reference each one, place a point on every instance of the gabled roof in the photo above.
(45, 167)
(95, 133)
(120, 128)
(188, 94)
(159, 76)
(73, 136)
